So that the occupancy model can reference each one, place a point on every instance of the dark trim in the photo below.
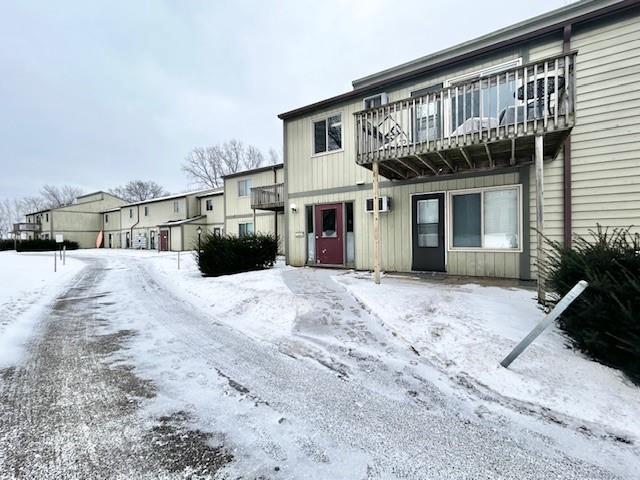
(525, 256)
(423, 91)
(254, 170)
(287, 212)
(397, 183)
(473, 54)
(566, 164)
(248, 215)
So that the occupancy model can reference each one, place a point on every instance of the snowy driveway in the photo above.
(123, 378)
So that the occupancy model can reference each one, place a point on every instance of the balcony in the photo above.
(27, 227)
(482, 123)
(268, 197)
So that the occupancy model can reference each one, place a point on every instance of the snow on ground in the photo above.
(27, 285)
(467, 329)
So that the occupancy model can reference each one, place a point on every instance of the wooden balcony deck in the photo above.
(481, 123)
(26, 227)
(268, 197)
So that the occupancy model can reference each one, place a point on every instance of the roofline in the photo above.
(266, 168)
(211, 194)
(535, 27)
(98, 191)
(41, 211)
(171, 223)
(168, 197)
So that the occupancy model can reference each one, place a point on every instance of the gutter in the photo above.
(133, 226)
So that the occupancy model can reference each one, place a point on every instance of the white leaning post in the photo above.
(546, 321)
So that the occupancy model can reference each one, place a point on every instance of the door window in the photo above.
(329, 223)
(428, 220)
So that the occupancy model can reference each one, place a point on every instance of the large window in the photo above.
(245, 229)
(486, 219)
(327, 134)
(176, 206)
(209, 205)
(244, 187)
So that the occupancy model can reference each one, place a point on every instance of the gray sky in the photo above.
(98, 93)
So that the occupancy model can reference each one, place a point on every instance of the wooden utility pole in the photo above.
(539, 161)
(376, 222)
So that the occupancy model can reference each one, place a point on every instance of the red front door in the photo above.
(164, 240)
(329, 238)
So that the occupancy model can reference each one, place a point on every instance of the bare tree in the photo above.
(274, 158)
(207, 166)
(32, 205)
(55, 196)
(139, 190)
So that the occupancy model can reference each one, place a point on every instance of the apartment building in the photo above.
(79, 222)
(472, 150)
(254, 202)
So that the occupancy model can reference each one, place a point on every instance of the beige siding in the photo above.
(215, 217)
(606, 138)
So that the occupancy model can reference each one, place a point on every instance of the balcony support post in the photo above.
(539, 165)
(376, 222)
(254, 221)
(466, 157)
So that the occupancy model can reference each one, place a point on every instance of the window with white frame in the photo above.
(176, 206)
(209, 205)
(375, 101)
(245, 229)
(327, 134)
(486, 219)
(244, 187)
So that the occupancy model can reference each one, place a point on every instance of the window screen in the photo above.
(320, 136)
(428, 221)
(501, 219)
(466, 220)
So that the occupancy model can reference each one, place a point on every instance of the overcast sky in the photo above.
(94, 93)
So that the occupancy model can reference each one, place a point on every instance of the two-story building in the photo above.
(79, 222)
(254, 202)
(473, 150)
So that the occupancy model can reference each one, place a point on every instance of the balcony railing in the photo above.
(27, 227)
(268, 197)
(479, 122)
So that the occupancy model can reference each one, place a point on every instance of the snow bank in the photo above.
(28, 285)
(467, 329)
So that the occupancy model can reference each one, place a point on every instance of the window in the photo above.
(487, 218)
(131, 213)
(245, 229)
(46, 217)
(146, 211)
(375, 101)
(244, 187)
(428, 222)
(329, 229)
(176, 206)
(327, 134)
(466, 105)
(217, 231)
(209, 205)
(106, 218)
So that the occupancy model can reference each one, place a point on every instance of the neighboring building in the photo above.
(79, 222)
(454, 134)
(212, 207)
(254, 202)
(165, 223)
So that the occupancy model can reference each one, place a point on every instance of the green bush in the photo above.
(6, 244)
(226, 254)
(604, 322)
(42, 245)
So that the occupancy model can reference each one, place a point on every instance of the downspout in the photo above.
(566, 164)
(133, 226)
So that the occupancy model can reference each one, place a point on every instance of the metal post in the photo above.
(376, 222)
(199, 250)
(64, 255)
(546, 321)
(539, 163)
(178, 259)
(55, 261)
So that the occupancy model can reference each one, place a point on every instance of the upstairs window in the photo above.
(244, 187)
(146, 211)
(46, 216)
(131, 213)
(327, 134)
(375, 101)
(176, 206)
(209, 205)
(106, 218)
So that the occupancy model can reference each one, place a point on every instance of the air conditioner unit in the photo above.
(384, 204)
